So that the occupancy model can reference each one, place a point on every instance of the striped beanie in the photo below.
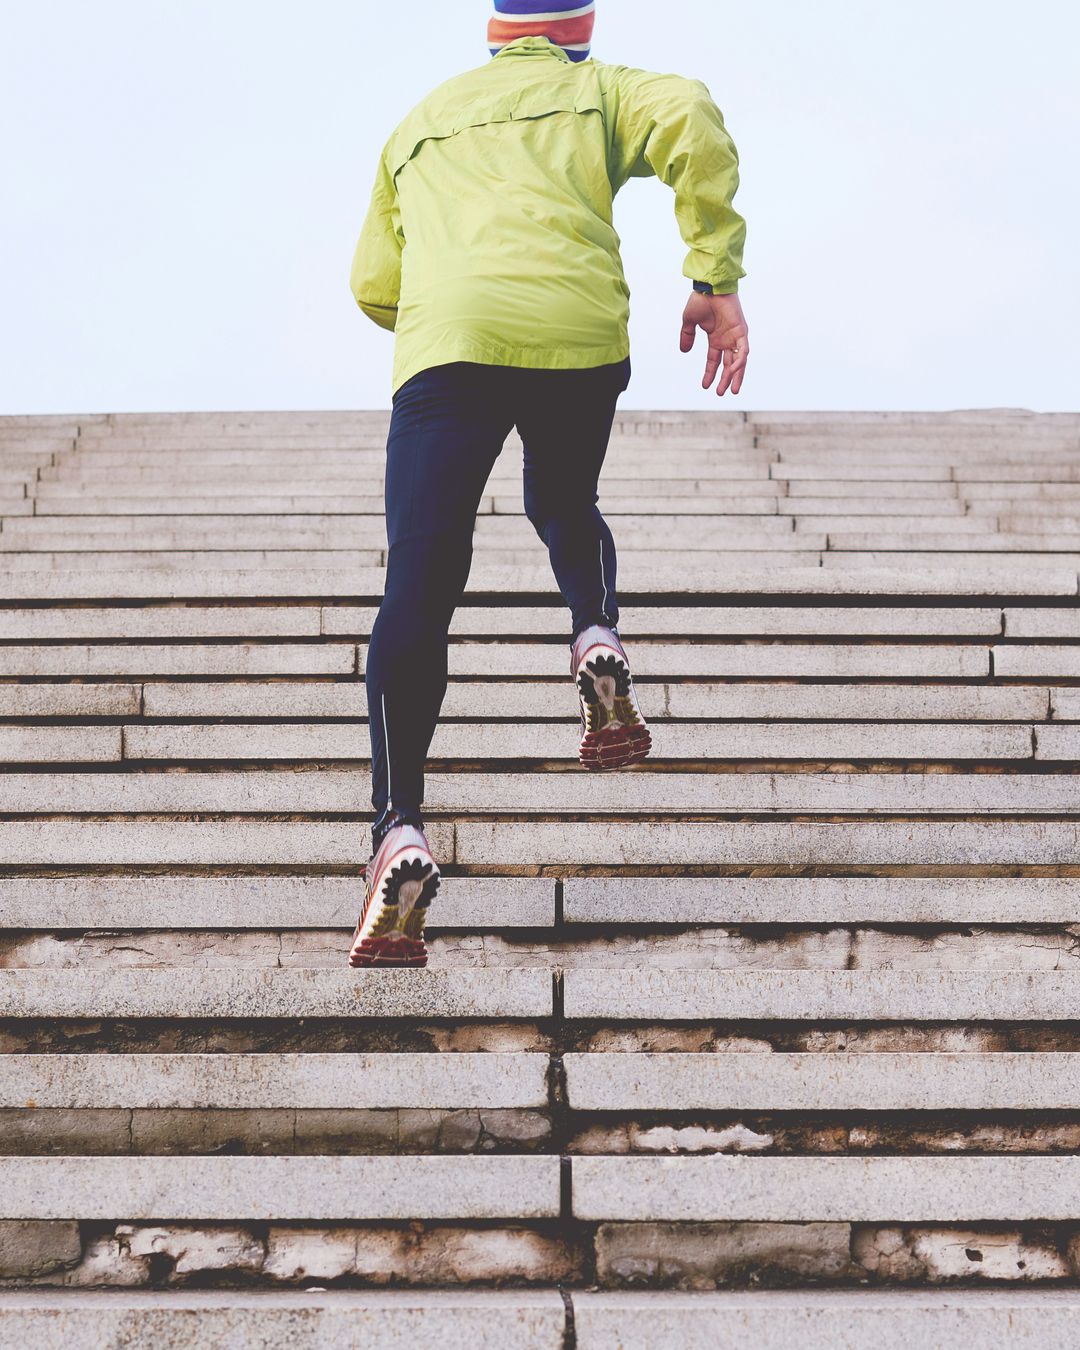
(566, 23)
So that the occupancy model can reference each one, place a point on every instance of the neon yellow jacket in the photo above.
(489, 237)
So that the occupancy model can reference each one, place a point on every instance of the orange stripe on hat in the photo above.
(562, 32)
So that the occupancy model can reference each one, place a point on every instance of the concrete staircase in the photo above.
(772, 1041)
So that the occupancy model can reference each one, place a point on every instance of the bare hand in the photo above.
(721, 318)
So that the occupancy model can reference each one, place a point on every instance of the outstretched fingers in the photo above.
(712, 359)
(735, 358)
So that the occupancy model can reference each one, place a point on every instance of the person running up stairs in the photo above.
(489, 249)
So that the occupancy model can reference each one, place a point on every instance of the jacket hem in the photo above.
(524, 358)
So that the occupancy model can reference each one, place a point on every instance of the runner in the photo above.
(489, 249)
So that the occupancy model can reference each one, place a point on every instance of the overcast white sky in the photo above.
(183, 182)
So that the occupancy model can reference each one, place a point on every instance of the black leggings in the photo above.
(447, 428)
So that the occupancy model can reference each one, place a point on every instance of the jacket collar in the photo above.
(532, 46)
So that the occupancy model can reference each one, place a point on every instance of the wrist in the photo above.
(721, 288)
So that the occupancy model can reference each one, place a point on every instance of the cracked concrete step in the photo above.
(1036, 560)
(277, 993)
(1042, 623)
(886, 995)
(276, 1081)
(71, 700)
(247, 504)
(202, 843)
(74, 842)
(817, 1319)
(546, 659)
(525, 700)
(886, 1081)
(845, 1189)
(327, 791)
(342, 1320)
(891, 1081)
(258, 902)
(70, 745)
(223, 658)
(73, 478)
(774, 658)
(1054, 661)
(185, 560)
(829, 504)
(996, 579)
(643, 902)
(1059, 742)
(845, 539)
(728, 620)
(757, 843)
(29, 625)
(510, 741)
(311, 1188)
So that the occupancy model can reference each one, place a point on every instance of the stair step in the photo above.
(821, 995)
(823, 1189)
(260, 902)
(341, 1320)
(641, 901)
(523, 794)
(818, 1082)
(816, 1319)
(278, 1081)
(289, 1187)
(997, 579)
(636, 621)
(277, 993)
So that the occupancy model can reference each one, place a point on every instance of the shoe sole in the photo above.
(616, 735)
(394, 936)
(614, 748)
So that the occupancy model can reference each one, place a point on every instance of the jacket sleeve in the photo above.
(669, 126)
(376, 269)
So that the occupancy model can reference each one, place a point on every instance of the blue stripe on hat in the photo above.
(537, 6)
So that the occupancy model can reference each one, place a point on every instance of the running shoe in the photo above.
(401, 881)
(613, 731)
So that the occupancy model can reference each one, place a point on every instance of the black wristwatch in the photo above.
(707, 288)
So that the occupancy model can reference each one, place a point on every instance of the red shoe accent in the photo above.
(615, 747)
(393, 950)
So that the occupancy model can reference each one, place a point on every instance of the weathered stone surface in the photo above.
(837, 1319)
(704, 1256)
(210, 659)
(69, 700)
(684, 621)
(197, 1249)
(822, 1082)
(823, 1189)
(281, 1188)
(796, 843)
(381, 1320)
(939, 1254)
(277, 993)
(268, 791)
(267, 902)
(352, 583)
(774, 659)
(27, 745)
(63, 1131)
(894, 995)
(114, 843)
(33, 1247)
(279, 1081)
(853, 900)
(980, 950)
(31, 625)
